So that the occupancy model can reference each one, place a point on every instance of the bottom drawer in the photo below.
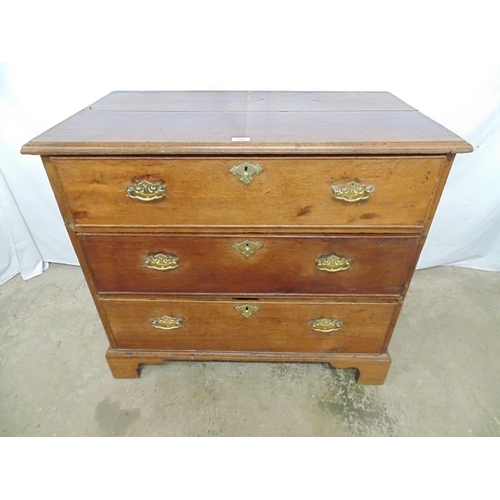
(255, 325)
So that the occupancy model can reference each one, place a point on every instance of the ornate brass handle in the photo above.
(167, 322)
(352, 191)
(333, 263)
(161, 262)
(245, 171)
(326, 325)
(247, 247)
(247, 310)
(146, 191)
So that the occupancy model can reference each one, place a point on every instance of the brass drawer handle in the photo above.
(333, 263)
(245, 171)
(352, 191)
(326, 325)
(161, 262)
(167, 322)
(247, 310)
(146, 191)
(247, 247)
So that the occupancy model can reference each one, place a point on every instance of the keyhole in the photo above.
(247, 247)
(246, 168)
(246, 308)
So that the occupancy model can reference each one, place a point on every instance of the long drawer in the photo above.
(239, 264)
(193, 192)
(239, 325)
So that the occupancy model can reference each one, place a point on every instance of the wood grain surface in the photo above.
(284, 264)
(288, 191)
(249, 101)
(278, 326)
(275, 122)
(372, 368)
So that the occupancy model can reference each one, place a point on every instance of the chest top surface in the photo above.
(250, 122)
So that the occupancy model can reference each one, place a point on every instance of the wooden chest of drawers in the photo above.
(251, 226)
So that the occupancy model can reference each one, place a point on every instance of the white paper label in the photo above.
(240, 139)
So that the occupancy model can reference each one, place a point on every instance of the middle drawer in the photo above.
(249, 264)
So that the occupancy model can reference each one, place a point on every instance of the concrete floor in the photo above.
(444, 379)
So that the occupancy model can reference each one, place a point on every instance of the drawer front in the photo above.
(287, 191)
(245, 264)
(263, 325)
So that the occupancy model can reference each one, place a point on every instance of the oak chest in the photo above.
(248, 226)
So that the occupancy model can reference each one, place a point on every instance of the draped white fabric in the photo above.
(466, 229)
(18, 251)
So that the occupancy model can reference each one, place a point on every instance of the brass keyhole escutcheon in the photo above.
(245, 171)
(247, 310)
(247, 247)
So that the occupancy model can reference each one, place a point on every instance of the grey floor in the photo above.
(444, 380)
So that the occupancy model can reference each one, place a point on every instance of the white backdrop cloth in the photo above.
(18, 251)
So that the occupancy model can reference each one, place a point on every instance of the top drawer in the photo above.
(312, 192)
